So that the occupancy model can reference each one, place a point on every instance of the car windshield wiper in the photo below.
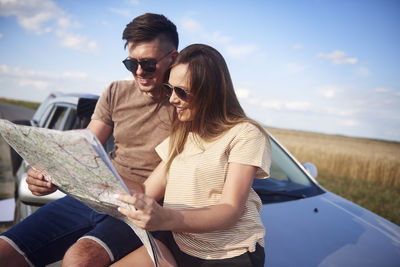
(266, 192)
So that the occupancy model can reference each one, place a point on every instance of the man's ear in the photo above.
(174, 54)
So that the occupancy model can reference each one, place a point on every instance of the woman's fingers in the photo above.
(145, 214)
(138, 200)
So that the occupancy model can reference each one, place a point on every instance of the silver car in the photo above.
(306, 225)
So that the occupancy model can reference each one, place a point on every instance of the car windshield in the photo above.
(287, 181)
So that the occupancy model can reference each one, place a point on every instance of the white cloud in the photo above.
(128, 78)
(338, 57)
(272, 104)
(253, 101)
(242, 93)
(296, 105)
(342, 112)
(241, 50)
(218, 38)
(328, 91)
(76, 41)
(191, 25)
(297, 46)
(135, 2)
(74, 75)
(293, 67)
(363, 71)
(92, 46)
(18, 74)
(1, 35)
(350, 122)
(286, 105)
(35, 85)
(38, 84)
(36, 22)
(44, 16)
(196, 29)
(395, 133)
(71, 40)
(31, 14)
(65, 23)
(123, 12)
(381, 90)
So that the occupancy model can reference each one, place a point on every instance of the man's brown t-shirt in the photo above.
(139, 125)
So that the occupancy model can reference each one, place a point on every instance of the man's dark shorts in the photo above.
(45, 236)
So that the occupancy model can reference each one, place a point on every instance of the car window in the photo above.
(46, 115)
(283, 168)
(72, 121)
(287, 181)
(42, 110)
(57, 117)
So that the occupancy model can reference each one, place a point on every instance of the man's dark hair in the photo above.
(149, 26)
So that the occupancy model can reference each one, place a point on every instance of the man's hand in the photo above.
(38, 185)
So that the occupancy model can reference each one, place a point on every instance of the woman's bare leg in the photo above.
(140, 257)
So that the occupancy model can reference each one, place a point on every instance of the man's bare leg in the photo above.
(9, 256)
(86, 252)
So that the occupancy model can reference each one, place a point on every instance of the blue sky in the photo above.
(324, 66)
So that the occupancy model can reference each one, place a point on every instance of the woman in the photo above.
(210, 215)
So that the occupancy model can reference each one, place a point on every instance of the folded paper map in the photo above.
(76, 162)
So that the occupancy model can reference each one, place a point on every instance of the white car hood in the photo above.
(327, 230)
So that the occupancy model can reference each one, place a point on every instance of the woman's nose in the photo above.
(173, 98)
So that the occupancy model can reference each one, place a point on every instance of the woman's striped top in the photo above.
(196, 179)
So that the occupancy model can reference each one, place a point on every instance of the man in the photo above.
(138, 116)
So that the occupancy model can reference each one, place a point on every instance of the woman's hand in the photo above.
(148, 215)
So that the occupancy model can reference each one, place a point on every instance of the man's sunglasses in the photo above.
(148, 65)
(181, 93)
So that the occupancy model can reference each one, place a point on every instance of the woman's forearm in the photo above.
(207, 219)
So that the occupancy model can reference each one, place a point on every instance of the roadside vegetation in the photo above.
(27, 104)
(364, 171)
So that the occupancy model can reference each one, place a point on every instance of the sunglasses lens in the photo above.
(131, 64)
(148, 65)
(180, 93)
(168, 90)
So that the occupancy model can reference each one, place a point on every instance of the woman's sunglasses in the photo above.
(181, 93)
(148, 65)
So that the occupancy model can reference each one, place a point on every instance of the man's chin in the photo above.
(146, 88)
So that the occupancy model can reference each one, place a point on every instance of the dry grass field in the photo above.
(356, 158)
(27, 104)
(362, 170)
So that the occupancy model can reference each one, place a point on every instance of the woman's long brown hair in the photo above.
(214, 101)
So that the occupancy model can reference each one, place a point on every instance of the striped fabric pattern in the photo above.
(196, 179)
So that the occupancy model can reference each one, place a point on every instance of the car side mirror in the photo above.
(312, 170)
